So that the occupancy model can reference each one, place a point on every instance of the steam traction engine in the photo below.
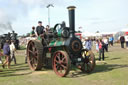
(10, 37)
(60, 49)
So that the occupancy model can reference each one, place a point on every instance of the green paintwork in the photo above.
(39, 38)
(56, 43)
(59, 43)
(59, 32)
(52, 43)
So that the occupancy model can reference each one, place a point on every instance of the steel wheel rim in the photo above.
(89, 63)
(33, 55)
(60, 64)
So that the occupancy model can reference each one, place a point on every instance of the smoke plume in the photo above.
(12, 8)
(6, 26)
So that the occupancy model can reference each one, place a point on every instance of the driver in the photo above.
(39, 30)
(63, 24)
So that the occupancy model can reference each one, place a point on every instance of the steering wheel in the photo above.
(64, 30)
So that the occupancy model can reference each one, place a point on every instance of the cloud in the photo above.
(41, 2)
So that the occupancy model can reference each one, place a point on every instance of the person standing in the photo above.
(106, 44)
(12, 51)
(97, 46)
(88, 44)
(47, 29)
(111, 39)
(122, 41)
(83, 42)
(39, 30)
(101, 50)
(6, 50)
(126, 40)
(1, 55)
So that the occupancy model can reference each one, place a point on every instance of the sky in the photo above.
(91, 15)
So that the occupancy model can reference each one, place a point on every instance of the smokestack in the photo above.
(71, 10)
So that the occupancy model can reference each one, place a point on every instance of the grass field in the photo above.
(113, 72)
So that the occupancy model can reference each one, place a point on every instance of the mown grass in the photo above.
(113, 72)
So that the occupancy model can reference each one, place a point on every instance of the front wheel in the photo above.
(61, 63)
(89, 61)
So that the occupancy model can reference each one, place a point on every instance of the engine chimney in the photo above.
(71, 10)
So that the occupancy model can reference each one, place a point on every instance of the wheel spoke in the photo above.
(57, 61)
(65, 68)
(64, 63)
(31, 60)
(57, 67)
(31, 51)
(88, 67)
(32, 44)
(35, 57)
(36, 52)
(58, 58)
(63, 58)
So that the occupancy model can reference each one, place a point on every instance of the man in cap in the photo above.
(39, 30)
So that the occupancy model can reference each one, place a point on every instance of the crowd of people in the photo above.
(39, 30)
(9, 53)
(100, 44)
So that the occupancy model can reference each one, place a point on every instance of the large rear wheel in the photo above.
(61, 63)
(35, 54)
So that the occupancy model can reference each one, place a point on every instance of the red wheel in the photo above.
(34, 55)
(61, 63)
(89, 63)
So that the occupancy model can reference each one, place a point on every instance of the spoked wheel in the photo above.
(89, 61)
(61, 63)
(34, 55)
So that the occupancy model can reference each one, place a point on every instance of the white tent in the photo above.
(87, 34)
(125, 30)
